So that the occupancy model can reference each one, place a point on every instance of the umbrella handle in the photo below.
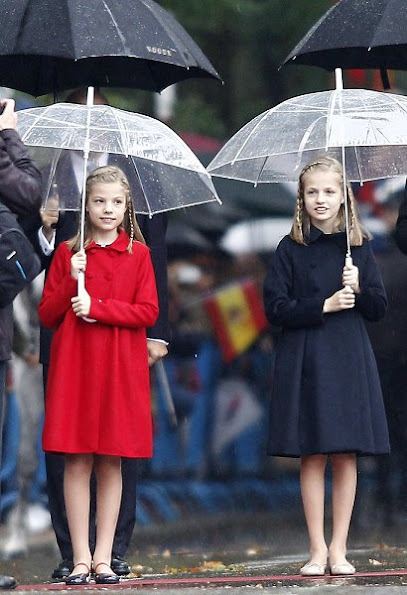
(81, 289)
(348, 263)
(81, 283)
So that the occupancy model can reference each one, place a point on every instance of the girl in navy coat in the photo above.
(326, 400)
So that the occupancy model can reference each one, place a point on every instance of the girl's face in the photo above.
(323, 196)
(106, 206)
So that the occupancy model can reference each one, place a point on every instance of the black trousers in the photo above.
(127, 514)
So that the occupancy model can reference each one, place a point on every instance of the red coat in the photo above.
(98, 392)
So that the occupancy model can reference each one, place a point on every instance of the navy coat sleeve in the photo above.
(371, 302)
(282, 308)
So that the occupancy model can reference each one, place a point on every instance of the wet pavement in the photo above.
(235, 553)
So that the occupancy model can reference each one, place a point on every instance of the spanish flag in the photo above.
(237, 315)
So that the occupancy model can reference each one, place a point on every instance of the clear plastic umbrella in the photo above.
(365, 130)
(163, 172)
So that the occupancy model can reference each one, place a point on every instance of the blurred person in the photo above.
(27, 516)
(388, 340)
(96, 413)
(50, 230)
(20, 191)
(326, 401)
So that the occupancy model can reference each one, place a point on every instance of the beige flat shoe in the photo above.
(342, 569)
(313, 569)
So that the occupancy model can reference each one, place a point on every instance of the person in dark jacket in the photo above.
(326, 399)
(20, 191)
(400, 233)
(53, 229)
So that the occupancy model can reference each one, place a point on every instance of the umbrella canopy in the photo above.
(49, 46)
(163, 172)
(183, 240)
(370, 127)
(356, 34)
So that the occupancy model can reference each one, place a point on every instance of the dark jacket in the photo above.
(20, 191)
(400, 234)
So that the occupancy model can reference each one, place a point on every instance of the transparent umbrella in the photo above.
(163, 172)
(365, 130)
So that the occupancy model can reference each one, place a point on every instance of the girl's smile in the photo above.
(323, 197)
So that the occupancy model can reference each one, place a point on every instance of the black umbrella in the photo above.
(53, 45)
(357, 34)
(183, 240)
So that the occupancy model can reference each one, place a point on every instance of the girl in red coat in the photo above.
(98, 393)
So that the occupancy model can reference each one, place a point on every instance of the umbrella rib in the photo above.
(260, 171)
(150, 211)
(356, 150)
(121, 36)
(235, 158)
(123, 132)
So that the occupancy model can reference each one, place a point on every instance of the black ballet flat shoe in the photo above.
(63, 569)
(79, 579)
(105, 578)
(120, 566)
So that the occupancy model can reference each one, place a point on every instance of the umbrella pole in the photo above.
(168, 400)
(339, 87)
(89, 102)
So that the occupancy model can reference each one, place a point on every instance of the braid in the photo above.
(300, 213)
(355, 229)
(131, 224)
(297, 230)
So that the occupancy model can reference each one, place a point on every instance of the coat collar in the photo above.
(315, 234)
(120, 244)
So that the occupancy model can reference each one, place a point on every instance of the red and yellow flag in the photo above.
(237, 315)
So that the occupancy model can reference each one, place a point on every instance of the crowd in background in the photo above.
(221, 406)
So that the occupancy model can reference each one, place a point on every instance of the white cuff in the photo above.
(158, 340)
(47, 246)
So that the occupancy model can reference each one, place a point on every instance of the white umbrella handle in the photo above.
(348, 263)
(81, 289)
(81, 283)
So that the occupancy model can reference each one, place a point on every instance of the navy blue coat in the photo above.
(326, 395)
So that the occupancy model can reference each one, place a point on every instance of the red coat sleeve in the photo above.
(143, 312)
(59, 288)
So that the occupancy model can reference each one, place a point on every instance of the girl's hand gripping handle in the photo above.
(350, 276)
(348, 265)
